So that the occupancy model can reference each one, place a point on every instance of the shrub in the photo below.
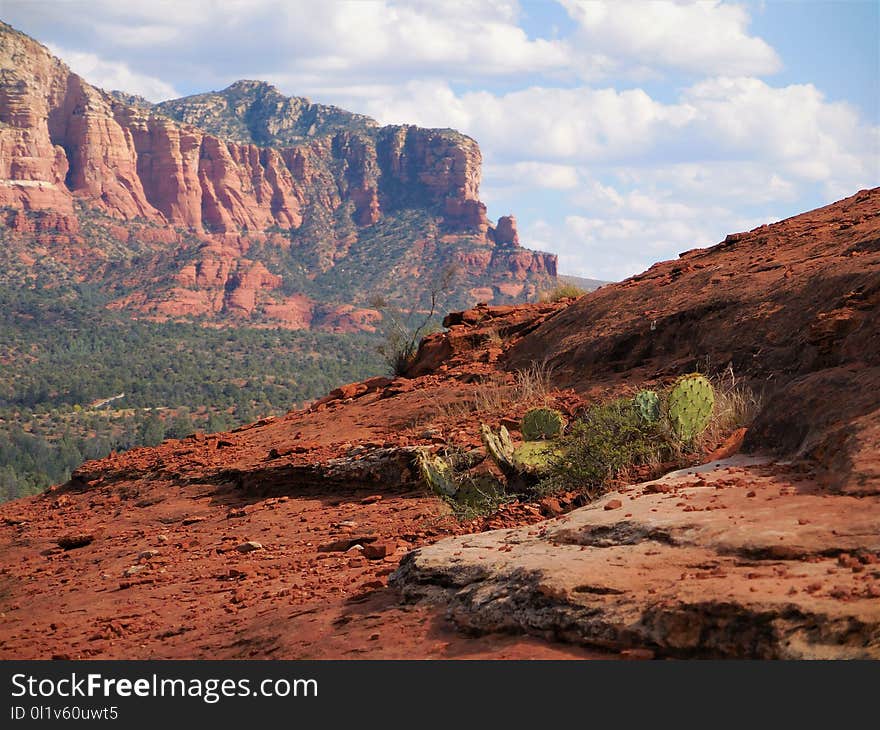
(736, 404)
(477, 496)
(402, 337)
(609, 438)
(563, 291)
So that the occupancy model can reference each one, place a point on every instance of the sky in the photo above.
(618, 133)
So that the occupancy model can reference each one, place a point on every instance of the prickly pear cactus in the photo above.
(542, 423)
(437, 474)
(647, 405)
(535, 457)
(689, 406)
(499, 446)
(475, 490)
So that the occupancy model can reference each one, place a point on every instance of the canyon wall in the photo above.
(69, 150)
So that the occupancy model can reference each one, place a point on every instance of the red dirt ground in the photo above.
(793, 307)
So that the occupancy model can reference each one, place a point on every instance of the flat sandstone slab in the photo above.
(742, 558)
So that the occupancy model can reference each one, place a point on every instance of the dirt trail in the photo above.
(163, 578)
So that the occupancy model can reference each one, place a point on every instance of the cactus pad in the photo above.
(499, 446)
(534, 457)
(647, 405)
(689, 406)
(437, 474)
(542, 423)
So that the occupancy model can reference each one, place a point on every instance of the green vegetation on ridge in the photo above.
(61, 351)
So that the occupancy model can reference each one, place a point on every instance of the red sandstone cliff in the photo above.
(68, 147)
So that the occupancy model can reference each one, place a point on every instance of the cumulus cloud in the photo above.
(708, 38)
(114, 75)
(531, 174)
(623, 241)
(298, 41)
(557, 124)
(609, 175)
(743, 122)
(795, 126)
(374, 41)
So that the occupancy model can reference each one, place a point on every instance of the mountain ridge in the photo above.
(232, 202)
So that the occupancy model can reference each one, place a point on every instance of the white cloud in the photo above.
(530, 174)
(706, 37)
(114, 75)
(624, 241)
(381, 41)
(551, 124)
(365, 41)
(741, 127)
(724, 182)
(793, 126)
(610, 176)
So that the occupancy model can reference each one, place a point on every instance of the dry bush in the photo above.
(736, 405)
(563, 291)
(531, 387)
(497, 397)
(608, 442)
(493, 338)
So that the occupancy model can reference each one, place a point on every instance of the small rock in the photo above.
(551, 507)
(343, 544)
(613, 504)
(249, 546)
(133, 570)
(147, 554)
(72, 541)
(357, 562)
(372, 499)
(162, 538)
(238, 597)
(380, 549)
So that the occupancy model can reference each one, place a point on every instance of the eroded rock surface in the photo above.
(741, 559)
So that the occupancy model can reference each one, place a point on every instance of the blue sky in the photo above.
(618, 133)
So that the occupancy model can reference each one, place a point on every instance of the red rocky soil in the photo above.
(776, 557)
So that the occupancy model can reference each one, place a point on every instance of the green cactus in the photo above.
(647, 405)
(479, 489)
(499, 446)
(542, 423)
(689, 406)
(535, 457)
(437, 473)
(521, 466)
